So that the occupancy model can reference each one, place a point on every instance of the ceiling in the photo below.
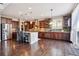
(3, 6)
(37, 10)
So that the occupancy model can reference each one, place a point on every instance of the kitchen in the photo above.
(38, 31)
(43, 28)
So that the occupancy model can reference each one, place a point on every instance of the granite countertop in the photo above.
(48, 31)
(54, 31)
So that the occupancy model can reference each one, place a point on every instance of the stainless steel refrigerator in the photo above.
(5, 31)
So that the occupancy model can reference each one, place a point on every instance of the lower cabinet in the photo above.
(14, 35)
(55, 35)
(47, 35)
(66, 36)
(41, 35)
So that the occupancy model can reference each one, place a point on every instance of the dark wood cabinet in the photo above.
(41, 35)
(47, 35)
(15, 24)
(55, 35)
(67, 19)
(51, 35)
(3, 20)
(14, 35)
(6, 20)
(43, 24)
(9, 21)
(66, 36)
(67, 23)
(28, 25)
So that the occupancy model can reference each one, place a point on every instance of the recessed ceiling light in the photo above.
(20, 13)
(33, 17)
(29, 8)
(42, 15)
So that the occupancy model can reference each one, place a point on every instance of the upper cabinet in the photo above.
(67, 22)
(44, 23)
(6, 20)
(29, 25)
(15, 24)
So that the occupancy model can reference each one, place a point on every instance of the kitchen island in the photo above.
(33, 37)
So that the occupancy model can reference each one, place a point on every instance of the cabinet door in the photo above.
(47, 35)
(9, 21)
(60, 36)
(41, 35)
(68, 37)
(54, 34)
(51, 35)
(3, 21)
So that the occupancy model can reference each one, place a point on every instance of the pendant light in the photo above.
(51, 12)
(51, 16)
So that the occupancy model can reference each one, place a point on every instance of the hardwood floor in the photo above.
(44, 47)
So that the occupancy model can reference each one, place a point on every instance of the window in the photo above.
(56, 23)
